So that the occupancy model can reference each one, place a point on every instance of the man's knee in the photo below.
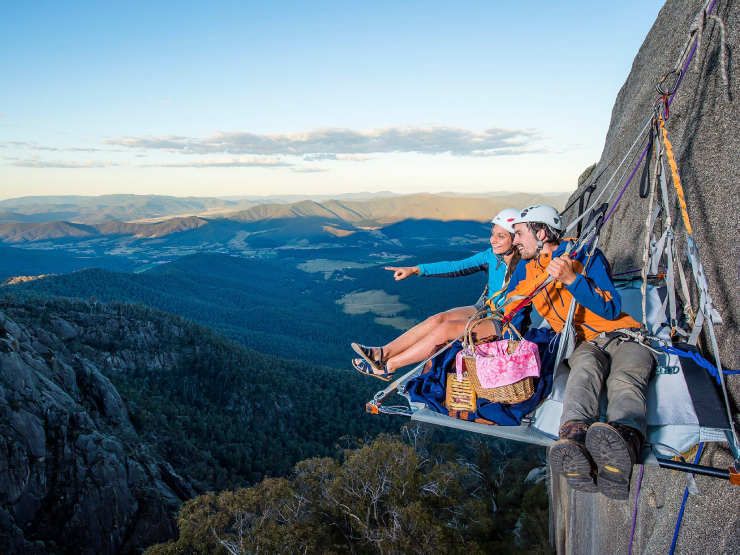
(632, 356)
(589, 359)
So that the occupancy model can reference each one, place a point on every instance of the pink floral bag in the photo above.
(500, 371)
(496, 367)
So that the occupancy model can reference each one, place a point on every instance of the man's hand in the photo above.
(562, 269)
(403, 273)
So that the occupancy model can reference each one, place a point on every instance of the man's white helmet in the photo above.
(505, 218)
(540, 213)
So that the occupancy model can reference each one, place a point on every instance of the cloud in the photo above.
(309, 170)
(343, 157)
(35, 162)
(36, 146)
(426, 139)
(237, 162)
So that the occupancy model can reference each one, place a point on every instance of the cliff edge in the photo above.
(703, 128)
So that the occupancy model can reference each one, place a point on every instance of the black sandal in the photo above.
(364, 367)
(367, 354)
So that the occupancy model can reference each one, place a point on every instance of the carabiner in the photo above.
(672, 88)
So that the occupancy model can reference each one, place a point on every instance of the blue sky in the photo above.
(244, 98)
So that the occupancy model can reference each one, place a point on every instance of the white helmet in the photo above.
(505, 218)
(540, 213)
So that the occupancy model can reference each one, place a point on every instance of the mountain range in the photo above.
(234, 222)
(132, 208)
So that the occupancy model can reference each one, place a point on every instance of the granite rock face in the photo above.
(703, 129)
(74, 475)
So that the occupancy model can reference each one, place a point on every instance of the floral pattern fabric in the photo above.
(496, 367)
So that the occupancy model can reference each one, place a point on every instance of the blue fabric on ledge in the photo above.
(429, 388)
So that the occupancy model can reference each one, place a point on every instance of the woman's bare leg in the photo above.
(443, 333)
(412, 336)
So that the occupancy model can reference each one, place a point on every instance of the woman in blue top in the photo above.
(416, 344)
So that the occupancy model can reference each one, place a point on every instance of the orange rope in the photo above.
(676, 178)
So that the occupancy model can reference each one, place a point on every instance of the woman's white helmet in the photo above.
(505, 218)
(540, 213)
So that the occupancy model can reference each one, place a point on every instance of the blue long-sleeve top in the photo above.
(486, 261)
(599, 303)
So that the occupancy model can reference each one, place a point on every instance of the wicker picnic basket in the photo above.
(509, 394)
(460, 395)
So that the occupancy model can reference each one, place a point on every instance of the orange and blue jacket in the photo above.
(599, 303)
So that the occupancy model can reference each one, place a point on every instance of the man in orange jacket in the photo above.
(593, 456)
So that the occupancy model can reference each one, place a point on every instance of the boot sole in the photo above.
(612, 457)
(568, 460)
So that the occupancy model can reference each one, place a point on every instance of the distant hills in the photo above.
(240, 224)
(96, 209)
(30, 232)
(132, 208)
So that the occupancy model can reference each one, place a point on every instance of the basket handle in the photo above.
(472, 324)
(516, 331)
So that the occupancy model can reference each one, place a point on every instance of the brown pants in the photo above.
(626, 370)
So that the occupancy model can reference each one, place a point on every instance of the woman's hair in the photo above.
(551, 235)
(515, 258)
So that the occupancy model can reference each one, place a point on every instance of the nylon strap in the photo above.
(657, 254)
(711, 316)
(650, 223)
(670, 283)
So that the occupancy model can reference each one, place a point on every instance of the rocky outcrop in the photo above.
(703, 128)
(74, 475)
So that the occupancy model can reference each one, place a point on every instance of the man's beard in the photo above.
(527, 255)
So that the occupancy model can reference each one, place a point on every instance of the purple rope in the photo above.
(683, 504)
(635, 270)
(634, 515)
(688, 61)
(628, 272)
(680, 80)
(611, 210)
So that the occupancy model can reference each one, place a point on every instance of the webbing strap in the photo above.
(696, 330)
(670, 282)
(638, 137)
(568, 333)
(650, 223)
(711, 316)
(658, 323)
(654, 217)
(657, 254)
(687, 308)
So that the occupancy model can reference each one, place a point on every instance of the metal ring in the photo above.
(672, 88)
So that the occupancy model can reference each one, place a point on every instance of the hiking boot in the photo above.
(569, 457)
(614, 448)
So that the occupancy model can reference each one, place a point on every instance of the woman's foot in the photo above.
(371, 362)
(370, 354)
(365, 367)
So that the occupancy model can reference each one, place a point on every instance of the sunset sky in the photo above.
(256, 98)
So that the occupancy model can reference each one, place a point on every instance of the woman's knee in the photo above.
(448, 330)
(437, 320)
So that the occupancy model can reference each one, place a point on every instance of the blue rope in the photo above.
(701, 361)
(683, 504)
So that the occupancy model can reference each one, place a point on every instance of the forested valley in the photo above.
(261, 410)
(269, 305)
